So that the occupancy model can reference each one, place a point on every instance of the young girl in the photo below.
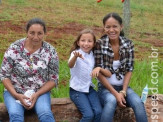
(81, 63)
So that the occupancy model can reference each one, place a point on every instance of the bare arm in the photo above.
(120, 99)
(107, 85)
(72, 61)
(126, 81)
(97, 70)
(105, 72)
(45, 88)
(8, 85)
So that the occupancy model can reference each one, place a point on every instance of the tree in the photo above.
(126, 17)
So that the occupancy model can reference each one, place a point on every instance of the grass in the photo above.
(141, 76)
(146, 23)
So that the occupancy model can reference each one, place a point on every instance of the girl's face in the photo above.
(86, 42)
(112, 28)
(35, 34)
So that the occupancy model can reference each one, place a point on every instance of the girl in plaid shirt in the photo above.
(116, 53)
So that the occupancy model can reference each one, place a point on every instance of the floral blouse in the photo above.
(29, 71)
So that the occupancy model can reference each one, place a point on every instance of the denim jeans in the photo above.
(109, 104)
(88, 104)
(42, 108)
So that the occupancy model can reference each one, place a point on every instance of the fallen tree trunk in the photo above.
(64, 110)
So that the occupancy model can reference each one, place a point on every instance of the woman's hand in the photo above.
(33, 100)
(95, 72)
(22, 98)
(121, 100)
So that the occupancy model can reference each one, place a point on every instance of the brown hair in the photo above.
(85, 31)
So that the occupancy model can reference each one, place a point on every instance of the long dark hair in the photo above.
(85, 31)
(116, 17)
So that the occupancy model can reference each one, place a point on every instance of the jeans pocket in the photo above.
(74, 95)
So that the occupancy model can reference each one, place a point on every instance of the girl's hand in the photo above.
(95, 72)
(77, 54)
(121, 100)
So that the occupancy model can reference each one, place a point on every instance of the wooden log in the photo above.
(64, 110)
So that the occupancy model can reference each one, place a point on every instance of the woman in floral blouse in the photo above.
(29, 71)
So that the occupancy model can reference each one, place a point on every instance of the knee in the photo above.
(46, 116)
(111, 103)
(98, 112)
(136, 103)
(16, 117)
(88, 116)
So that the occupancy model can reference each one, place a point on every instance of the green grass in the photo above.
(141, 76)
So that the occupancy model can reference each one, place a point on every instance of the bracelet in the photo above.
(123, 92)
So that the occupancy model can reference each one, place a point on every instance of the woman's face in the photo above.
(36, 34)
(112, 28)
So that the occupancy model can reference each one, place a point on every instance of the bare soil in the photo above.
(72, 29)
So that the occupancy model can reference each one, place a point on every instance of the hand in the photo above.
(33, 100)
(22, 98)
(95, 72)
(121, 100)
(77, 54)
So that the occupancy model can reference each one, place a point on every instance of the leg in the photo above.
(15, 110)
(82, 103)
(43, 108)
(96, 105)
(109, 103)
(134, 101)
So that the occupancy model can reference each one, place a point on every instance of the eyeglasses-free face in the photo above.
(112, 28)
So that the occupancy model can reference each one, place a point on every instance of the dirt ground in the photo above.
(72, 30)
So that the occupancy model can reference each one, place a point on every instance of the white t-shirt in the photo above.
(113, 80)
(81, 78)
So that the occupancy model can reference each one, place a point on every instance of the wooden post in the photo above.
(126, 17)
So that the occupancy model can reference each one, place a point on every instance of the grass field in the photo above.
(66, 18)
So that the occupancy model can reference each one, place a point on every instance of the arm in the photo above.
(98, 70)
(129, 65)
(126, 80)
(72, 60)
(98, 63)
(8, 85)
(45, 88)
(120, 99)
(5, 74)
(53, 76)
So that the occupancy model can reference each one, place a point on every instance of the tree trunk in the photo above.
(126, 17)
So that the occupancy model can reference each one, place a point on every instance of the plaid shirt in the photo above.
(104, 56)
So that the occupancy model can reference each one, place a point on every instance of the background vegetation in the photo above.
(66, 18)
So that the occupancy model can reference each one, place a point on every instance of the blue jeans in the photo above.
(88, 104)
(42, 108)
(109, 104)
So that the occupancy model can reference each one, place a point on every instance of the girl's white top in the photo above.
(81, 78)
(113, 80)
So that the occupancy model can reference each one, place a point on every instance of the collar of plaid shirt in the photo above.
(104, 55)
